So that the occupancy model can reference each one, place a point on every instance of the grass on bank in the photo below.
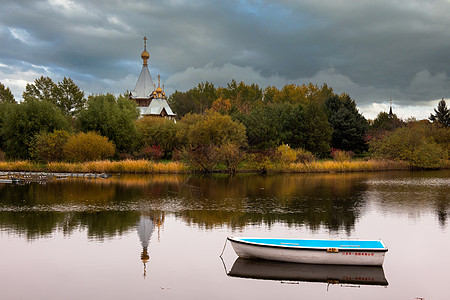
(147, 166)
(104, 166)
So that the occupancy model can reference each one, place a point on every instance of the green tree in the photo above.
(43, 89)
(70, 99)
(317, 131)
(264, 125)
(196, 100)
(5, 94)
(349, 126)
(385, 122)
(21, 122)
(66, 94)
(88, 146)
(112, 118)
(441, 114)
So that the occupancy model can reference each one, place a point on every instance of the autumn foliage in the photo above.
(88, 147)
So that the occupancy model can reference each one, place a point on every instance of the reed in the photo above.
(20, 165)
(123, 166)
(150, 167)
(346, 166)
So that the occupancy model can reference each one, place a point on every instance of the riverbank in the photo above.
(151, 167)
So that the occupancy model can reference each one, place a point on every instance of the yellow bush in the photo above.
(88, 147)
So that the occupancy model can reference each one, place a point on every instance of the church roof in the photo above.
(144, 86)
(156, 107)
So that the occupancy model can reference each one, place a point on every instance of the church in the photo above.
(151, 100)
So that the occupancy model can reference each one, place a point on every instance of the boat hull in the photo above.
(332, 256)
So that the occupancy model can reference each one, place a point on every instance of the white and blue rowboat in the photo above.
(333, 252)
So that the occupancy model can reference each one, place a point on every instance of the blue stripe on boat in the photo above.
(341, 244)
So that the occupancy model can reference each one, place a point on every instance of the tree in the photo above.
(441, 114)
(242, 96)
(349, 126)
(196, 100)
(298, 94)
(6, 95)
(386, 122)
(160, 132)
(70, 99)
(317, 131)
(205, 135)
(112, 118)
(66, 94)
(264, 125)
(43, 89)
(21, 122)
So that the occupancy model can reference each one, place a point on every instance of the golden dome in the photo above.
(145, 55)
(159, 89)
(144, 256)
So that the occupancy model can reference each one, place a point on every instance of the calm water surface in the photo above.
(160, 237)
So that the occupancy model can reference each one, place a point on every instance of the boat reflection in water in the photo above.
(331, 274)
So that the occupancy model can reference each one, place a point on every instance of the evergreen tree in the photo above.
(264, 125)
(349, 126)
(306, 126)
(442, 114)
(5, 94)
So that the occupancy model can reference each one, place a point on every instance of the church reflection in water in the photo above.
(148, 221)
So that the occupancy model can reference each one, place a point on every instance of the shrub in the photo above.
(204, 135)
(2, 155)
(341, 155)
(429, 156)
(202, 158)
(231, 155)
(285, 155)
(416, 144)
(88, 147)
(304, 156)
(262, 160)
(47, 147)
(152, 152)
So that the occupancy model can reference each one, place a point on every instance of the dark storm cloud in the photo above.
(374, 50)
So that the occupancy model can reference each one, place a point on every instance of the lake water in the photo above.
(160, 237)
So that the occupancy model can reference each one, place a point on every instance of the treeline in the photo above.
(221, 126)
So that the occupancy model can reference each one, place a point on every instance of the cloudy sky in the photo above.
(374, 50)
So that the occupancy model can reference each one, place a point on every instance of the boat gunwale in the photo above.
(295, 247)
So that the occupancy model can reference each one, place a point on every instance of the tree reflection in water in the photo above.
(114, 206)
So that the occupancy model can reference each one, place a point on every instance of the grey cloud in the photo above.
(374, 50)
